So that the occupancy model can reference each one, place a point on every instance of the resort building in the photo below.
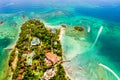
(27, 51)
(52, 57)
(30, 58)
(35, 41)
(48, 62)
(21, 70)
(48, 74)
(20, 76)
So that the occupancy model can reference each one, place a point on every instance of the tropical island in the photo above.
(79, 28)
(37, 54)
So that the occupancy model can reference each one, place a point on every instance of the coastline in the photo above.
(7, 50)
(15, 61)
(62, 32)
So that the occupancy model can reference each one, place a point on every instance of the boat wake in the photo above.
(99, 32)
(110, 70)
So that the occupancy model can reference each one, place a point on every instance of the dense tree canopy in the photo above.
(30, 29)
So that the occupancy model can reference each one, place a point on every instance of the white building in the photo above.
(35, 41)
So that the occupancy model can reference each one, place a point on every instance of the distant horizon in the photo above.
(83, 3)
(106, 12)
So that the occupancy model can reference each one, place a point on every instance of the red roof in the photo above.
(52, 57)
(19, 77)
(48, 62)
(21, 70)
(27, 51)
(22, 59)
(22, 64)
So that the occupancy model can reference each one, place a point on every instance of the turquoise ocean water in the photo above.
(98, 44)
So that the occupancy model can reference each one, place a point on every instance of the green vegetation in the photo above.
(60, 75)
(12, 57)
(63, 25)
(78, 28)
(31, 63)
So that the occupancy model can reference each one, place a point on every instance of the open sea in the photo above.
(94, 53)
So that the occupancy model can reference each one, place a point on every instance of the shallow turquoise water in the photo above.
(77, 47)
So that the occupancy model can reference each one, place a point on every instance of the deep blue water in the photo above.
(26, 8)
(106, 13)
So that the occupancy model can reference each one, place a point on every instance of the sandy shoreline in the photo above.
(62, 32)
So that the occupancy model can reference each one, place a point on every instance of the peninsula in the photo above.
(37, 54)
